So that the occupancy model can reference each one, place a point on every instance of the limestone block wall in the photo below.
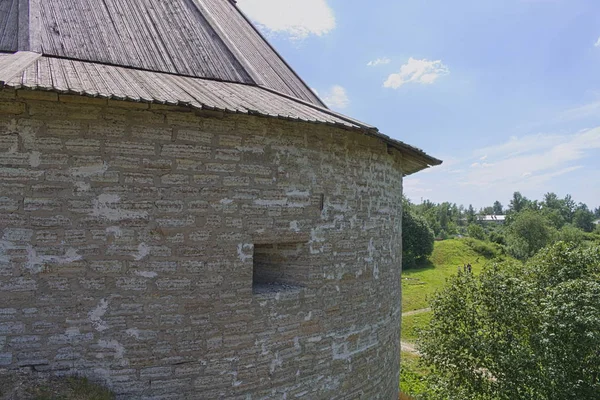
(177, 254)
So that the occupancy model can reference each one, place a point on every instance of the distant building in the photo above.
(499, 219)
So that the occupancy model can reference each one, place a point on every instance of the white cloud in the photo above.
(533, 164)
(296, 18)
(336, 97)
(379, 61)
(597, 44)
(580, 112)
(417, 71)
(541, 156)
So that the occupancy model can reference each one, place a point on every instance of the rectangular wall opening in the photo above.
(279, 266)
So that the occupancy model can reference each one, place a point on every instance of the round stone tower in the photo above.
(182, 217)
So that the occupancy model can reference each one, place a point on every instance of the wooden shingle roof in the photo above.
(200, 38)
(199, 53)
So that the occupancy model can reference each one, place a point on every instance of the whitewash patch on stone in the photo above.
(96, 315)
(244, 251)
(105, 206)
(36, 262)
(143, 252)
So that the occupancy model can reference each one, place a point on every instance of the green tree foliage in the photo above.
(497, 237)
(471, 214)
(571, 234)
(449, 219)
(519, 332)
(497, 208)
(569, 208)
(518, 202)
(552, 201)
(528, 232)
(583, 218)
(554, 216)
(476, 232)
(417, 239)
(487, 211)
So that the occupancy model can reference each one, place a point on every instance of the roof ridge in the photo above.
(234, 4)
(13, 66)
(228, 43)
(29, 30)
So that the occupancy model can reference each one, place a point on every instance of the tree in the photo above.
(552, 201)
(571, 234)
(554, 216)
(486, 211)
(583, 218)
(519, 332)
(471, 214)
(476, 232)
(569, 207)
(498, 209)
(417, 239)
(518, 202)
(528, 232)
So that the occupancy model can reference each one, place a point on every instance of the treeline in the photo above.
(521, 229)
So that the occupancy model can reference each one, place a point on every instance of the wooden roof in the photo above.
(199, 53)
(200, 38)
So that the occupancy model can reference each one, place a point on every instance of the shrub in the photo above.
(519, 331)
(22, 385)
(497, 237)
(486, 249)
(476, 232)
(571, 234)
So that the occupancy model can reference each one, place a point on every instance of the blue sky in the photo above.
(506, 92)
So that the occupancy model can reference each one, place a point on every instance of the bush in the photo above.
(476, 232)
(497, 237)
(486, 249)
(22, 385)
(571, 234)
(519, 331)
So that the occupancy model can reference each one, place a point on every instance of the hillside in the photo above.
(420, 284)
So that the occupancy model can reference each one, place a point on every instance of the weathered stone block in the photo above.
(128, 251)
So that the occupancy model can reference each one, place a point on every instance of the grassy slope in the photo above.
(411, 374)
(419, 284)
(411, 324)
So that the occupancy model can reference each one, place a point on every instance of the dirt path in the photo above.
(415, 312)
(409, 348)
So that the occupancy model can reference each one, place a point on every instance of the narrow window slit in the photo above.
(279, 267)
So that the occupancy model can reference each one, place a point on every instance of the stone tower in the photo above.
(182, 217)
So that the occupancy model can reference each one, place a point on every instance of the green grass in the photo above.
(22, 386)
(419, 284)
(412, 375)
(411, 325)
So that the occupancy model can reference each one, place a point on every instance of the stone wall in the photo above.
(127, 241)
